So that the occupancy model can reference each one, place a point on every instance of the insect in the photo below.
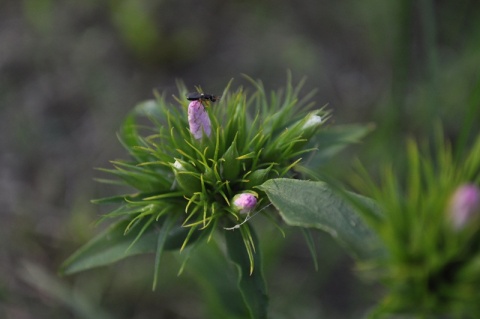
(196, 96)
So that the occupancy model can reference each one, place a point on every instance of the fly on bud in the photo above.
(198, 119)
(464, 205)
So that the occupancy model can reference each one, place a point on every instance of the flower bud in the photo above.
(198, 120)
(186, 176)
(178, 166)
(300, 132)
(312, 121)
(464, 205)
(244, 203)
(307, 126)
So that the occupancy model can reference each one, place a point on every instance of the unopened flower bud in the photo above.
(312, 121)
(244, 203)
(178, 166)
(464, 205)
(300, 132)
(198, 120)
(186, 176)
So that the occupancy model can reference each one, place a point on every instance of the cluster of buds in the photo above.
(247, 154)
(201, 168)
(200, 126)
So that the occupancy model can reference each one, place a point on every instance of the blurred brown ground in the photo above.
(71, 70)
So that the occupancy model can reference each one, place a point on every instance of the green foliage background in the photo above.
(71, 70)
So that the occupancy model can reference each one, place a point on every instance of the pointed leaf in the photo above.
(252, 286)
(257, 177)
(218, 281)
(144, 180)
(231, 165)
(315, 205)
(80, 304)
(307, 234)
(113, 245)
(161, 242)
(129, 135)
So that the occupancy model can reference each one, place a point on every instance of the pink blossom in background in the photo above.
(464, 205)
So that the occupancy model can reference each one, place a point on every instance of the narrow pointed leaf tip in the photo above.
(113, 245)
(251, 284)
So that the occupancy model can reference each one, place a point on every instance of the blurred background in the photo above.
(71, 70)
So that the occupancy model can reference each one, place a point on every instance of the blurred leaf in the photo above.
(118, 199)
(218, 280)
(161, 245)
(113, 245)
(314, 205)
(129, 135)
(251, 285)
(137, 26)
(307, 234)
(79, 303)
(336, 138)
(40, 14)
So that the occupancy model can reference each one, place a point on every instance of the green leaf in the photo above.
(315, 205)
(231, 165)
(143, 179)
(257, 177)
(115, 199)
(251, 285)
(161, 242)
(311, 245)
(129, 135)
(218, 280)
(80, 304)
(113, 245)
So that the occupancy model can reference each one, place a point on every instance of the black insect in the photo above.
(196, 96)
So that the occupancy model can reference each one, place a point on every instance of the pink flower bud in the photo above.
(464, 205)
(244, 203)
(198, 120)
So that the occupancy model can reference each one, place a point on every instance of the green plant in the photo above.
(198, 171)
